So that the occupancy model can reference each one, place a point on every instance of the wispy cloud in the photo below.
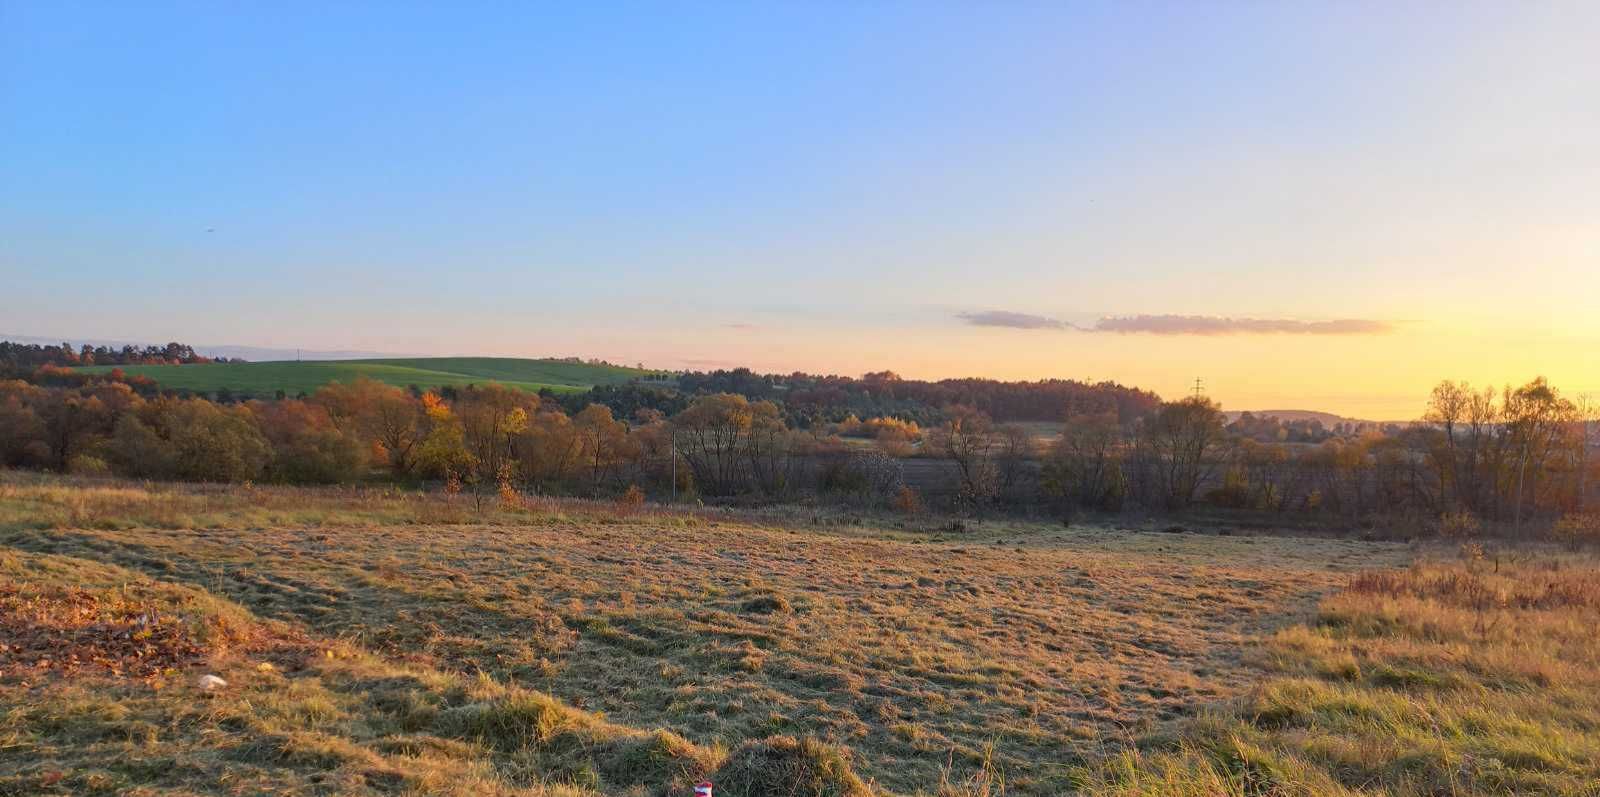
(1182, 324)
(1010, 320)
(1219, 325)
(741, 326)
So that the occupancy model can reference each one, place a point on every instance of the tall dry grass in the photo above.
(1452, 677)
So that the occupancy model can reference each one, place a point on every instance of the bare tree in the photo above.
(1185, 441)
(1587, 433)
(1447, 406)
(604, 439)
(1085, 465)
(492, 418)
(1014, 447)
(770, 448)
(881, 475)
(1536, 417)
(728, 440)
(968, 439)
(1482, 418)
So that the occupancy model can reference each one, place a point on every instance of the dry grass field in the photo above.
(379, 642)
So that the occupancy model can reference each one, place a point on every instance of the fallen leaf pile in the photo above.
(69, 629)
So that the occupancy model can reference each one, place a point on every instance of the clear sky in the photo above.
(1311, 205)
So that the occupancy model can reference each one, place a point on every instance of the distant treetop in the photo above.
(19, 359)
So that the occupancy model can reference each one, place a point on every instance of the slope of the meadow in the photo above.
(414, 645)
(267, 378)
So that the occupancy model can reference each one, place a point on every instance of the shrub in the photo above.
(22, 432)
(1232, 496)
(881, 474)
(215, 443)
(884, 430)
(867, 475)
(190, 439)
(907, 501)
(506, 488)
(632, 498)
(1577, 529)
(1459, 525)
(837, 476)
(317, 457)
(85, 465)
(307, 448)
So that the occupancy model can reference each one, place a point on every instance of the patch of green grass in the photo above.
(264, 379)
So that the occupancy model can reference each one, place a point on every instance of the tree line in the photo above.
(18, 360)
(809, 398)
(1508, 455)
(803, 399)
(1477, 456)
(480, 439)
(480, 436)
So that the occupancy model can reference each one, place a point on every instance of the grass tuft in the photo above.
(783, 765)
(767, 604)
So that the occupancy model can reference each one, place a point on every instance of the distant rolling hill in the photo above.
(293, 378)
(1328, 419)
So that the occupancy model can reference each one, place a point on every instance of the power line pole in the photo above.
(1199, 387)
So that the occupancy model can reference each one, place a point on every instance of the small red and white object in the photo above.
(702, 789)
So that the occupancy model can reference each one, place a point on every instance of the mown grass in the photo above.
(582, 646)
(264, 379)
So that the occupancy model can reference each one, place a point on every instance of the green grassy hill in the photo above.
(266, 378)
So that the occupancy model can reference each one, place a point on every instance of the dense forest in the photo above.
(806, 400)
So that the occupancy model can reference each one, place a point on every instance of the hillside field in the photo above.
(384, 642)
(264, 379)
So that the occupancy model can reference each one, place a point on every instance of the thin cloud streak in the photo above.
(1168, 324)
(1010, 320)
(1218, 325)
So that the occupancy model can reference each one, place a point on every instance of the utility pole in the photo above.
(1199, 387)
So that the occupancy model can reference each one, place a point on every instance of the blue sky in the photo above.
(825, 186)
